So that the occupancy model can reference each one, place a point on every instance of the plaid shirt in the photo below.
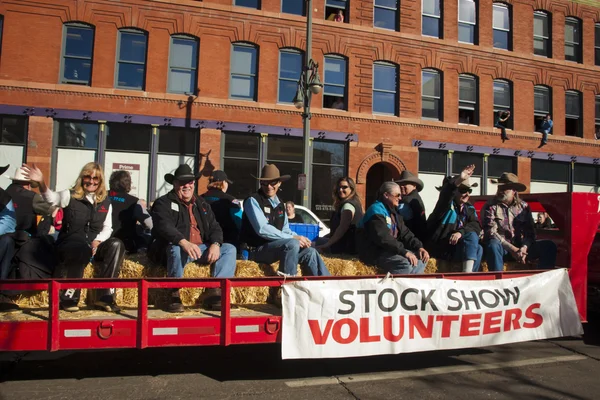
(512, 224)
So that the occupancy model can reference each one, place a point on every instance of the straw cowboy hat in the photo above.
(407, 177)
(466, 185)
(183, 173)
(19, 176)
(509, 180)
(271, 173)
(3, 169)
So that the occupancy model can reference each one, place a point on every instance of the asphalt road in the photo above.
(554, 369)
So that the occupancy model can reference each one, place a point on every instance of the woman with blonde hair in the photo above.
(348, 212)
(85, 233)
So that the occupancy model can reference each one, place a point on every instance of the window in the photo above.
(542, 105)
(572, 39)
(247, 3)
(176, 146)
(596, 44)
(243, 71)
(78, 47)
(1, 30)
(433, 168)
(501, 24)
(549, 176)
(467, 21)
(386, 14)
(385, 88)
(497, 165)
(329, 164)
(468, 110)
(597, 126)
(77, 144)
(336, 10)
(541, 34)
(240, 160)
(13, 143)
(334, 93)
(293, 7)
(432, 18)
(503, 101)
(586, 177)
(290, 68)
(573, 119)
(431, 95)
(183, 63)
(131, 60)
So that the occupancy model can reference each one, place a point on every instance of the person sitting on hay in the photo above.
(185, 230)
(86, 230)
(453, 225)
(411, 207)
(266, 231)
(383, 239)
(8, 223)
(509, 230)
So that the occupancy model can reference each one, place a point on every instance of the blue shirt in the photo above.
(261, 225)
(8, 219)
(547, 126)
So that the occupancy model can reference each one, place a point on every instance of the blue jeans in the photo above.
(544, 137)
(289, 255)
(224, 267)
(544, 250)
(397, 264)
(468, 248)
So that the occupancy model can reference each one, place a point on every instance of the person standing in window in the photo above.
(339, 16)
(348, 213)
(85, 234)
(546, 129)
(503, 116)
(411, 207)
(290, 210)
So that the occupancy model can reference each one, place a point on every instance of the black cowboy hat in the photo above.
(219, 176)
(183, 173)
(463, 186)
(407, 177)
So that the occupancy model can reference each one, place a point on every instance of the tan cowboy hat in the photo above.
(183, 173)
(19, 176)
(509, 180)
(3, 169)
(466, 185)
(407, 177)
(271, 173)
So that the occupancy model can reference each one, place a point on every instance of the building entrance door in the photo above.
(378, 173)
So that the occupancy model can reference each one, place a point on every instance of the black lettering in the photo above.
(349, 303)
(451, 296)
(366, 293)
(427, 300)
(508, 294)
(473, 299)
(494, 296)
(394, 303)
(403, 299)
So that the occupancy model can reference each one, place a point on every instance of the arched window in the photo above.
(244, 71)
(335, 94)
(468, 99)
(77, 54)
(290, 69)
(183, 64)
(131, 59)
(502, 22)
(431, 95)
(573, 39)
(385, 88)
(542, 37)
(573, 114)
(503, 101)
(542, 105)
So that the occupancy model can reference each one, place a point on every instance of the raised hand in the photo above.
(32, 173)
(467, 172)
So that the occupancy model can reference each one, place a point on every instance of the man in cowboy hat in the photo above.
(227, 209)
(453, 225)
(411, 207)
(8, 223)
(509, 229)
(266, 231)
(185, 230)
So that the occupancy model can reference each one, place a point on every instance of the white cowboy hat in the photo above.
(19, 176)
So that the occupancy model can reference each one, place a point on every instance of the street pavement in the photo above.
(564, 368)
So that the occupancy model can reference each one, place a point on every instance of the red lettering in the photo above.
(491, 322)
(318, 336)
(415, 322)
(512, 317)
(537, 318)
(387, 329)
(337, 331)
(364, 332)
(447, 321)
(469, 324)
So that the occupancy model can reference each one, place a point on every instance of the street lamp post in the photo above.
(308, 85)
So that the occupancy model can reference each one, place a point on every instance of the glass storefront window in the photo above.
(128, 137)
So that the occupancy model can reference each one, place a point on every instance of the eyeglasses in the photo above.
(271, 183)
(395, 194)
(95, 179)
(343, 187)
(463, 191)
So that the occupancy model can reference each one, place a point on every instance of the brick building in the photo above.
(409, 84)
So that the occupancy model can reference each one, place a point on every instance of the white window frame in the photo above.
(375, 7)
(384, 64)
(494, 28)
(469, 104)
(546, 39)
(193, 70)
(440, 116)
(439, 18)
(473, 24)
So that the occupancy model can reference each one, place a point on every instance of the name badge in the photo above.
(174, 207)
(388, 220)
(267, 210)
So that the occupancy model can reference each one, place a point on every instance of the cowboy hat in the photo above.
(183, 173)
(3, 169)
(465, 185)
(219, 176)
(19, 176)
(271, 173)
(407, 177)
(509, 180)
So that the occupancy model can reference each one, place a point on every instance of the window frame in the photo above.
(395, 10)
(579, 118)
(171, 67)
(596, 43)
(258, 5)
(472, 24)
(577, 45)
(325, 84)
(439, 98)
(510, 25)
(303, 14)
(438, 17)
(546, 39)
(386, 64)
(346, 10)
(291, 50)
(253, 76)
(475, 103)
(118, 61)
(1, 32)
(541, 113)
(498, 108)
(62, 79)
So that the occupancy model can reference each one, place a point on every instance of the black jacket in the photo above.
(27, 205)
(373, 236)
(84, 219)
(226, 208)
(347, 244)
(443, 222)
(418, 223)
(171, 223)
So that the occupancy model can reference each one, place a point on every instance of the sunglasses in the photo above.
(343, 187)
(95, 179)
(271, 183)
(463, 191)
(395, 195)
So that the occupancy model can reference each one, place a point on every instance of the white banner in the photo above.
(348, 318)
